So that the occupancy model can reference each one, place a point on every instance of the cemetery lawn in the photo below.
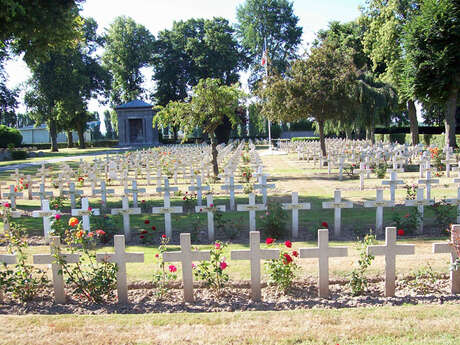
(402, 325)
(64, 152)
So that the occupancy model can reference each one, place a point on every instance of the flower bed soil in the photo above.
(236, 297)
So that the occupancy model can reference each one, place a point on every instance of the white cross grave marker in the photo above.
(337, 205)
(167, 209)
(42, 193)
(448, 247)
(56, 268)
(295, 206)
(85, 212)
(103, 191)
(125, 211)
(263, 186)
(379, 203)
(72, 193)
(120, 257)
(45, 213)
(186, 256)
(252, 207)
(420, 202)
(393, 183)
(210, 209)
(255, 255)
(12, 195)
(231, 187)
(199, 188)
(390, 249)
(428, 181)
(323, 252)
(135, 192)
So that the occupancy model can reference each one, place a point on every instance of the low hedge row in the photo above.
(294, 139)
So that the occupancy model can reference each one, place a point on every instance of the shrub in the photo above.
(399, 138)
(213, 271)
(274, 220)
(162, 277)
(18, 154)
(358, 280)
(282, 271)
(294, 139)
(9, 135)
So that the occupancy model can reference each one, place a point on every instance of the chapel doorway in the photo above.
(136, 131)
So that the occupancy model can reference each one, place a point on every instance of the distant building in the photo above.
(135, 124)
(41, 135)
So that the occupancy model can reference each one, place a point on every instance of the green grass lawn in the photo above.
(401, 325)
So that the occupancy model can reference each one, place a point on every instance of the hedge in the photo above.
(9, 135)
(294, 139)
(18, 155)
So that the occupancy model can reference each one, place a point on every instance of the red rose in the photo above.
(6, 204)
(154, 228)
(141, 236)
(325, 224)
(146, 221)
(269, 240)
(223, 265)
(288, 244)
(294, 253)
(163, 236)
(401, 232)
(143, 231)
(157, 255)
(172, 268)
(287, 259)
(100, 232)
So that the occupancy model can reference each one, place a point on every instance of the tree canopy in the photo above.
(129, 47)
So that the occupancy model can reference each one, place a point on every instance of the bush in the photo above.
(399, 138)
(294, 139)
(274, 220)
(9, 135)
(18, 154)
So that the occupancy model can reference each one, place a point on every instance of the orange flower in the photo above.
(73, 222)
(80, 234)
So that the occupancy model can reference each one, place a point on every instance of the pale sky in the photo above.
(157, 15)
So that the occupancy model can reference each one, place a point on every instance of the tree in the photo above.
(383, 41)
(193, 50)
(320, 86)
(108, 125)
(210, 104)
(129, 47)
(275, 22)
(62, 86)
(432, 40)
(34, 27)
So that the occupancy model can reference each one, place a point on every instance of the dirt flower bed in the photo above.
(236, 297)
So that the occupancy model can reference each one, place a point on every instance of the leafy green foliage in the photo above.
(129, 47)
(283, 270)
(162, 277)
(273, 222)
(275, 22)
(9, 135)
(213, 271)
(358, 280)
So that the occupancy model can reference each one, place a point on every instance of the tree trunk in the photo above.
(53, 135)
(321, 138)
(348, 132)
(81, 138)
(69, 139)
(450, 121)
(412, 112)
(214, 154)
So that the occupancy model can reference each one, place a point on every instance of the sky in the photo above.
(158, 15)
